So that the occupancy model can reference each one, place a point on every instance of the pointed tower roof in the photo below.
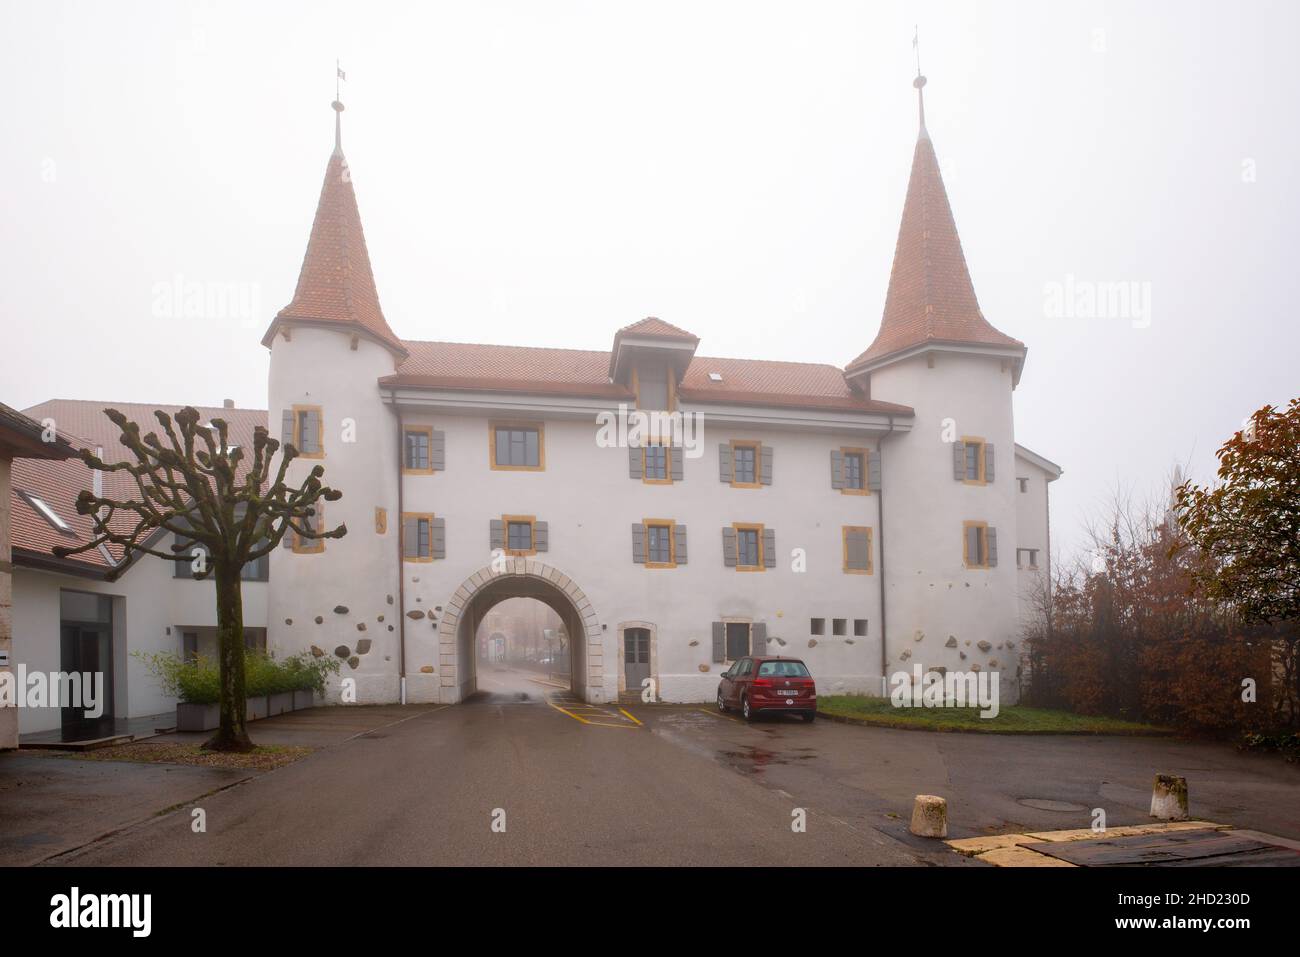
(336, 286)
(931, 299)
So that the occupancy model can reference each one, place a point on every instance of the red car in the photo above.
(755, 685)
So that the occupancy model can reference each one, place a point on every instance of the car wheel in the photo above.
(722, 704)
(810, 716)
(744, 709)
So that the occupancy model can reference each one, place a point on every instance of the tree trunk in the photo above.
(232, 733)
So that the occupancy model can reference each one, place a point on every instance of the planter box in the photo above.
(304, 699)
(197, 717)
(281, 703)
(256, 708)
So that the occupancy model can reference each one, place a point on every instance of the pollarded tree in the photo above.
(202, 489)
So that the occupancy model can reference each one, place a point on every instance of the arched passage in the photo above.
(518, 578)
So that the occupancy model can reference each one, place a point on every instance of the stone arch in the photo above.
(518, 577)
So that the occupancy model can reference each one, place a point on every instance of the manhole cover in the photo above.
(1045, 805)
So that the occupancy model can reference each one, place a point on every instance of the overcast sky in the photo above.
(541, 173)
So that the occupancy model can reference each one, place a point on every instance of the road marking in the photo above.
(630, 717)
(590, 714)
(715, 714)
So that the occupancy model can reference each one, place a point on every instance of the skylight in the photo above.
(47, 512)
(715, 376)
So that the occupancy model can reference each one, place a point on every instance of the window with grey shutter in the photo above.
(659, 543)
(729, 546)
(769, 548)
(309, 431)
(747, 548)
(656, 462)
(679, 543)
(541, 536)
(837, 469)
(287, 541)
(724, 463)
(766, 466)
(873, 472)
(857, 549)
(635, 456)
(438, 536)
(638, 543)
(959, 461)
(719, 641)
(758, 638)
(438, 451)
(416, 443)
(988, 462)
(991, 536)
(410, 538)
(497, 534)
(676, 459)
(286, 428)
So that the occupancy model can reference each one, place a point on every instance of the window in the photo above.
(660, 551)
(190, 646)
(783, 669)
(1027, 558)
(519, 536)
(859, 627)
(657, 466)
(258, 570)
(839, 626)
(744, 464)
(1023, 483)
(975, 460)
(43, 509)
(738, 644)
(520, 447)
(857, 549)
(312, 523)
(417, 442)
(817, 626)
(854, 471)
(307, 431)
(417, 537)
(653, 388)
(749, 547)
(975, 544)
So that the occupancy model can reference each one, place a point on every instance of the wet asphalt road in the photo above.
(686, 786)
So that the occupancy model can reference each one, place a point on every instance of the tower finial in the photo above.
(337, 105)
(919, 82)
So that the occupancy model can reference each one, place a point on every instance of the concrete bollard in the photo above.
(929, 816)
(1169, 798)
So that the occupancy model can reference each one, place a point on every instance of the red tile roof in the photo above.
(652, 327)
(336, 285)
(24, 437)
(931, 297)
(574, 372)
(58, 483)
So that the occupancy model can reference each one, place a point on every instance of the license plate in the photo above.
(788, 693)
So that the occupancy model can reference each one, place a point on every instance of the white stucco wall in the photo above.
(1032, 525)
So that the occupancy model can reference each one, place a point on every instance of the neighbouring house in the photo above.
(865, 518)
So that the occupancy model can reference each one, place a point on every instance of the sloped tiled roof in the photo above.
(652, 327)
(58, 483)
(931, 298)
(575, 372)
(336, 285)
(23, 437)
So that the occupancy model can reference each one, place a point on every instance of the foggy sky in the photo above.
(543, 173)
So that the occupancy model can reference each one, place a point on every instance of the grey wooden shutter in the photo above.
(438, 451)
(873, 471)
(183, 558)
(765, 476)
(541, 536)
(311, 427)
(972, 545)
(729, 547)
(959, 461)
(724, 463)
(988, 462)
(498, 534)
(286, 428)
(769, 548)
(410, 538)
(993, 547)
(635, 461)
(438, 537)
(678, 456)
(679, 543)
(837, 468)
(638, 543)
(758, 638)
(287, 541)
(719, 641)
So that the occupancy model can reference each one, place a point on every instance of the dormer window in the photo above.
(46, 512)
(653, 388)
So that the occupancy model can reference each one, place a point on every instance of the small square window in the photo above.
(1023, 483)
(839, 626)
(859, 627)
(818, 626)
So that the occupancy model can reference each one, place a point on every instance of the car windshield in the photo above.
(783, 669)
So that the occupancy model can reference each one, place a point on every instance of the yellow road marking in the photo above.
(587, 714)
(630, 718)
(718, 714)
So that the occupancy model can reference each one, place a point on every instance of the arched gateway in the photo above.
(518, 578)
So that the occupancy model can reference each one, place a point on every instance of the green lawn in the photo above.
(1013, 719)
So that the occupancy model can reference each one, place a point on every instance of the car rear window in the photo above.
(783, 669)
